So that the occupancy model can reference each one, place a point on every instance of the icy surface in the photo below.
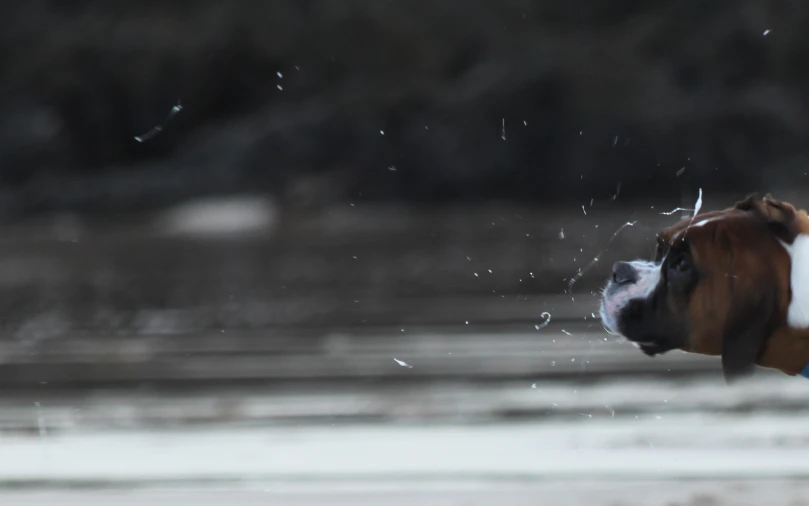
(681, 442)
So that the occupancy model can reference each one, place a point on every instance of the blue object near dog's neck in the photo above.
(805, 371)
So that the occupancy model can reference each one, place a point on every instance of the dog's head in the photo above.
(720, 284)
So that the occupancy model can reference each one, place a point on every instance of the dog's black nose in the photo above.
(623, 273)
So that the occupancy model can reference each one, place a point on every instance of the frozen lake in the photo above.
(562, 493)
(618, 443)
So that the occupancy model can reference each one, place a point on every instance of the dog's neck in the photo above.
(788, 351)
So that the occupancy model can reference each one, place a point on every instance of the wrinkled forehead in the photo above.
(710, 220)
(712, 237)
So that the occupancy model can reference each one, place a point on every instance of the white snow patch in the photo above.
(225, 216)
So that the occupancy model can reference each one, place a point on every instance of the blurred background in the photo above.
(349, 252)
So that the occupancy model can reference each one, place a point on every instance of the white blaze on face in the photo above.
(798, 312)
(612, 303)
(701, 223)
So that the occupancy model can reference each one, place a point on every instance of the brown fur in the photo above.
(738, 308)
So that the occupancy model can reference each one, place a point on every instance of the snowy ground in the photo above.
(562, 493)
(617, 443)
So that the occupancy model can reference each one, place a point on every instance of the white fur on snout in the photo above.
(798, 312)
(643, 288)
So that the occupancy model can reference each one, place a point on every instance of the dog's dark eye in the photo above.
(681, 264)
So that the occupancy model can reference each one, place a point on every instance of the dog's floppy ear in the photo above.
(746, 333)
(752, 315)
(750, 203)
(781, 217)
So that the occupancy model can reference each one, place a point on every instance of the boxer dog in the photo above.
(732, 283)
